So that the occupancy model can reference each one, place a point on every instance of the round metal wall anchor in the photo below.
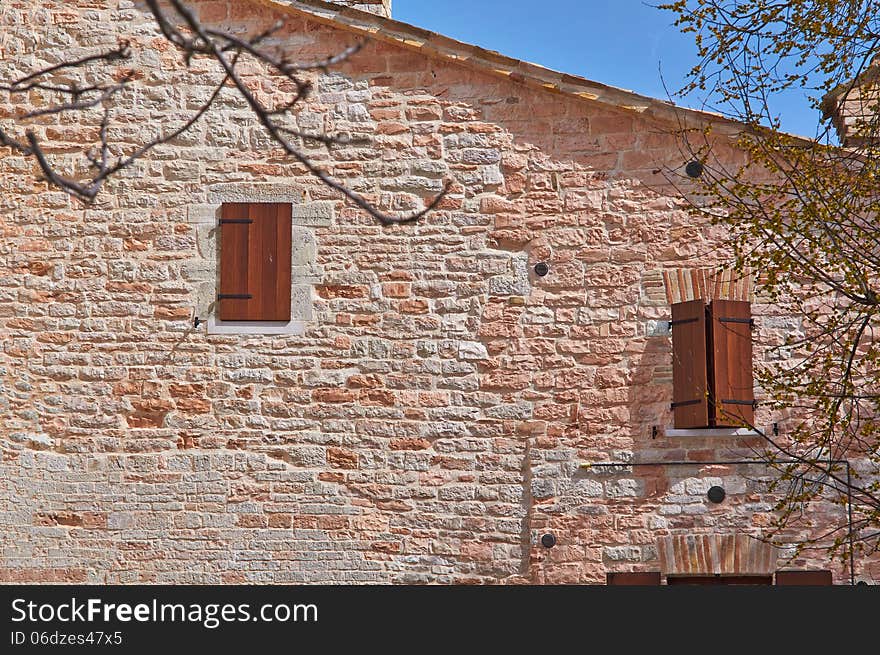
(548, 540)
(716, 494)
(541, 269)
(693, 169)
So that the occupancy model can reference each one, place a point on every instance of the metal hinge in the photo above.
(235, 220)
(686, 402)
(753, 403)
(750, 321)
(234, 296)
(682, 321)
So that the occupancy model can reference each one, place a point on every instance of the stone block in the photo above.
(314, 214)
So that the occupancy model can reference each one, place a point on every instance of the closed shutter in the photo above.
(234, 232)
(804, 578)
(690, 402)
(731, 343)
(633, 579)
(255, 252)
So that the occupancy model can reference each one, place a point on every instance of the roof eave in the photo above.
(489, 61)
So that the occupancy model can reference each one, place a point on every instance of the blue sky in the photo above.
(625, 43)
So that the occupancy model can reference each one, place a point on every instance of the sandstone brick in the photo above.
(252, 521)
(280, 520)
(377, 397)
(394, 506)
(341, 291)
(193, 405)
(396, 289)
(414, 306)
(333, 395)
(152, 404)
(342, 458)
(60, 518)
(173, 313)
(409, 444)
(146, 420)
(178, 390)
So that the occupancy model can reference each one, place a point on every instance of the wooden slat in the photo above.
(269, 263)
(689, 367)
(633, 579)
(804, 578)
(284, 241)
(233, 261)
(732, 363)
(261, 261)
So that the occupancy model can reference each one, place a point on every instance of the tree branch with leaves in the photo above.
(803, 214)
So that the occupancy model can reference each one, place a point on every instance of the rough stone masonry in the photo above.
(428, 422)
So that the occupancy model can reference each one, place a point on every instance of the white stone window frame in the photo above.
(204, 271)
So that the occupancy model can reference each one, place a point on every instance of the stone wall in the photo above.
(431, 420)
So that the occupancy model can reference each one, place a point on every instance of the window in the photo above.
(650, 578)
(804, 578)
(255, 262)
(712, 364)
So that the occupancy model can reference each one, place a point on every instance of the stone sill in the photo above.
(712, 432)
(294, 327)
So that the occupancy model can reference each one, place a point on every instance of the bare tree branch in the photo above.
(180, 27)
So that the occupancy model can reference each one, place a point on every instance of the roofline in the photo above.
(832, 101)
(869, 74)
(488, 61)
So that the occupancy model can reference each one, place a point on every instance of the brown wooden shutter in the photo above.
(255, 251)
(804, 578)
(633, 579)
(731, 382)
(690, 401)
(233, 290)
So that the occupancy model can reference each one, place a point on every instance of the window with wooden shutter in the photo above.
(625, 578)
(804, 578)
(690, 391)
(732, 388)
(255, 266)
(712, 364)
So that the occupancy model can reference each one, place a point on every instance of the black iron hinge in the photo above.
(750, 321)
(686, 402)
(681, 321)
(753, 403)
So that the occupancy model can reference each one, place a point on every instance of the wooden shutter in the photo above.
(233, 290)
(720, 580)
(690, 401)
(804, 578)
(633, 579)
(731, 383)
(255, 251)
